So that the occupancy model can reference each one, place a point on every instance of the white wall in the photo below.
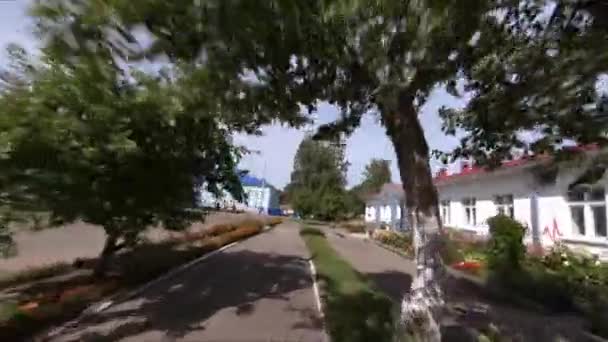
(554, 216)
(484, 189)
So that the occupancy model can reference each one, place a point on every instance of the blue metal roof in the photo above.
(248, 180)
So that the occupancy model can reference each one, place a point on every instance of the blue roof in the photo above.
(247, 180)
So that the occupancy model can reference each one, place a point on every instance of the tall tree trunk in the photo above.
(106, 254)
(420, 306)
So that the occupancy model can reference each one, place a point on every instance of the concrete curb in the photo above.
(106, 303)
(315, 288)
(391, 249)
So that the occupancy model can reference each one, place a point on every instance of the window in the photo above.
(470, 210)
(504, 205)
(445, 211)
(588, 211)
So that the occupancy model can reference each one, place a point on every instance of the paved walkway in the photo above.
(391, 273)
(259, 290)
(467, 309)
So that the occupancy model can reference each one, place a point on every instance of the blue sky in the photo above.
(277, 147)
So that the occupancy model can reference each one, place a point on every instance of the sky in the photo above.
(276, 149)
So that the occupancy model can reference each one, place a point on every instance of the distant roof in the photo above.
(387, 189)
(248, 180)
(470, 171)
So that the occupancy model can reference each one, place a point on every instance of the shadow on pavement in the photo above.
(178, 306)
(394, 284)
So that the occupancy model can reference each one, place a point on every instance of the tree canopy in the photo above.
(125, 152)
(376, 174)
(317, 187)
(526, 66)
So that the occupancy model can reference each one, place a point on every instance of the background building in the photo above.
(260, 197)
(556, 205)
(386, 208)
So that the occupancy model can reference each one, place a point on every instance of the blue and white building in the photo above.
(260, 196)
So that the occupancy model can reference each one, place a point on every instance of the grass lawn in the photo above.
(354, 309)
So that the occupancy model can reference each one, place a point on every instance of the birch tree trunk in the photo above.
(420, 307)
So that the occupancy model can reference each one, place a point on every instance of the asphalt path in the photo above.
(258, 290)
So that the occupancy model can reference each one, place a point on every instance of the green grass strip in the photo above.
(354, 309)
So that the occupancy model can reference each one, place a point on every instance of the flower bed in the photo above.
(400, 242)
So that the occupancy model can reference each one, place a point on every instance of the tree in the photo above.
(317, 181)
(376, 174)
(386, 57)
(125, 153)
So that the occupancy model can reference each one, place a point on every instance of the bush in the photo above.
(251, 223)
(218, 229)
(399, 241)
(506, 250)
(273, 221)
(449, 251)
(242, 232)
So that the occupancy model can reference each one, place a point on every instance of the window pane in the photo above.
(578, 220)
(599, 218)
(467, 212)
(509, 199)
(576, 195)
(498, 200)
(511, 212)
(501, 210)
(597, 194)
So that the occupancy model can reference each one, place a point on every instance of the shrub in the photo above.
(396, 240)
(449, 251)
(242, 233)
(218, 229)
(506, 250)
(273, 221)
(251, 223)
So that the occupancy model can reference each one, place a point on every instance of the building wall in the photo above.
(386, 208)
(261, 197)
(257, 197)
(553, 219)
(484, 191)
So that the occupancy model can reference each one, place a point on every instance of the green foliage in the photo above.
(402, 242)
(354, 310)
(376, 174)
(449, 250)
(317, 181)
(506, 250)
(559, 106)
(81, 141)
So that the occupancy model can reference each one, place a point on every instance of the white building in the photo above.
(555, 206)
